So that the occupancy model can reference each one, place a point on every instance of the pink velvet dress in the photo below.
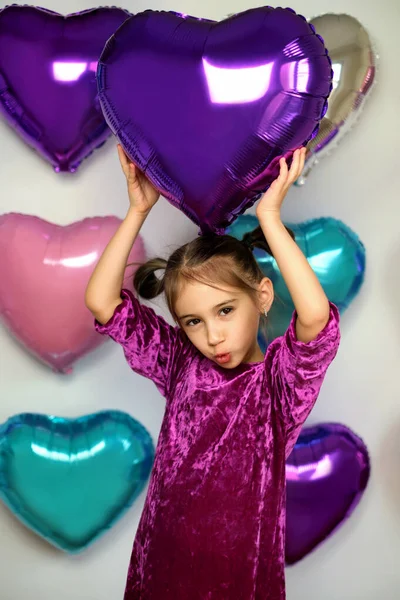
(213, 524)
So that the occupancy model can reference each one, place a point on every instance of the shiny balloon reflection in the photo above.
(217, 104)
(237, 86)
(315, 470)
(72, 71)
(326, 476)
(333, 250)
(353, 65)
(70, 480)
(44, 271)
(48, 90)
(63, 456)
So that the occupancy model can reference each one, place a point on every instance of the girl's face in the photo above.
(223, 323)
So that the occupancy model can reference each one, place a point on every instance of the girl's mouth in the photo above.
(223, 358)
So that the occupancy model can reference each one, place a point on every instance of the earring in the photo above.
(265, 312)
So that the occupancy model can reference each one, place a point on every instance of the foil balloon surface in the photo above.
(48, 90)
(70, 480)
(44, 271)
(354, 66)
(206, 109)
(335, 253)
(326, 476)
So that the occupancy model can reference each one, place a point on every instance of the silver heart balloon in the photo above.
(354, 66)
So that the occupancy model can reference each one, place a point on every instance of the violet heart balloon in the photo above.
(70, 480)
(44, 270)
(48, 90)
(207, 109)
(326, 475)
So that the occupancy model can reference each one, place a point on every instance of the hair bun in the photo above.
(256, 239)
(248, 241)
(146, 282)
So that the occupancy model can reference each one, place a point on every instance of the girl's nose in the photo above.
(215, 336)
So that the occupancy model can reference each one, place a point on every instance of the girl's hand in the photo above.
(273, 198)
(142, 194)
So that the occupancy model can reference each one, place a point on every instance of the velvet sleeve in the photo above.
(151, 346)
(297, 370)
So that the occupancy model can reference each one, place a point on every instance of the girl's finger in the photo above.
(300, 165)
(302, 161)
(294, 167)
(122, 156)
(132, 175)
(283, 172)
(123, 159)
(296, 160)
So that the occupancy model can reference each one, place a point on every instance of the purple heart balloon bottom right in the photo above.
(326, 476)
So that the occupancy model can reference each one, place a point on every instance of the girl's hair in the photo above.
(208, 259)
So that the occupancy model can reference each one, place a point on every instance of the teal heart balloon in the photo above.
(335, 253)
(69, 480)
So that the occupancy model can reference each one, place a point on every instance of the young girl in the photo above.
(213, 524)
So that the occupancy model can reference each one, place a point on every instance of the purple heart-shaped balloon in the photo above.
(326, 475)
(48, 90)
(207, 109)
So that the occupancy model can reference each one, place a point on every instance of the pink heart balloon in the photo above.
(44, 272)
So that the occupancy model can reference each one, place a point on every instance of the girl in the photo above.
(214, 518)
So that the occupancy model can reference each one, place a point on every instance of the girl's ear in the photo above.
(265, 294)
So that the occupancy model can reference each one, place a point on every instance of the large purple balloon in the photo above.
(48, 90)
(326, 475)
(207, 109)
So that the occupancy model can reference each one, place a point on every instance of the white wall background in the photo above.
(359, 184)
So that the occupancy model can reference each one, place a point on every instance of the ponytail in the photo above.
(145, 281)
(256, 239)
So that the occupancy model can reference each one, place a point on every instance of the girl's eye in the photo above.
(225, 311)
(192, 322)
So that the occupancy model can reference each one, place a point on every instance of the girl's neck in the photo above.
(255, 356)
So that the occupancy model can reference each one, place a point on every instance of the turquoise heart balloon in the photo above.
(70, 480)
(334, 252)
